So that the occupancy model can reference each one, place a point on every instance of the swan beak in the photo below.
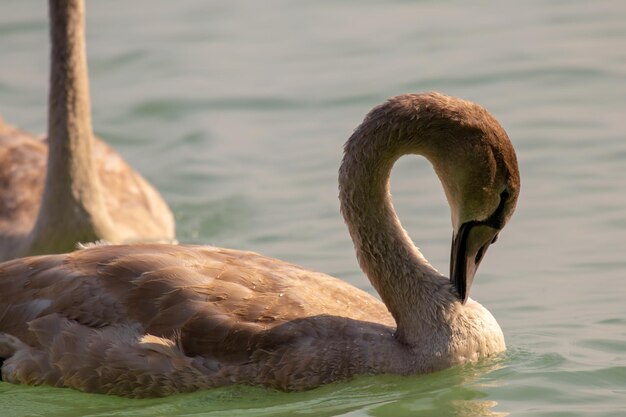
(469, 245)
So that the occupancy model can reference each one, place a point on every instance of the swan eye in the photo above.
(497, 219)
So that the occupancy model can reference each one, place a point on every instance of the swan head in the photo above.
(476, 163)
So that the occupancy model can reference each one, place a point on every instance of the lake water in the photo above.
(237, 112)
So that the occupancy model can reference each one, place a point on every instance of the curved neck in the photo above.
(72, 207)
(410, 287)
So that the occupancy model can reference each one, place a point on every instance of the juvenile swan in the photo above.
(152, 320)
(89, 192)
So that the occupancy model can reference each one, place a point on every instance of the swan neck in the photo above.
(72, 199)
(406, 282)
(69, 108)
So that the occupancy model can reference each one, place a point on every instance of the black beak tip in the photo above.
(459, 262)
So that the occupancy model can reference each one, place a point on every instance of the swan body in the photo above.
(71, 188)
(151, 320)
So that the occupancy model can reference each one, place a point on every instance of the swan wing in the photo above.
(215, 301)
(22, 173)
(136, 207)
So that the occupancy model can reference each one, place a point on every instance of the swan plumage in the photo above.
(151, 320)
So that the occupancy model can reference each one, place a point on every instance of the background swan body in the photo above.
(151, 320)
(77, 189)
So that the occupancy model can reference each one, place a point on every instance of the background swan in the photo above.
(90, 192)
(149, 320)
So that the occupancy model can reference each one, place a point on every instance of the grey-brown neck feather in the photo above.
(415, 293)
(72, 206)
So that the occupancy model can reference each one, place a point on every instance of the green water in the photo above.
(237, 111)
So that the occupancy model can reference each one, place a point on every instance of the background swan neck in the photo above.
(72, 200)
(406, 282)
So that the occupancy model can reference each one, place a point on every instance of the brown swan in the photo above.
(77, 189)
(152, 320)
